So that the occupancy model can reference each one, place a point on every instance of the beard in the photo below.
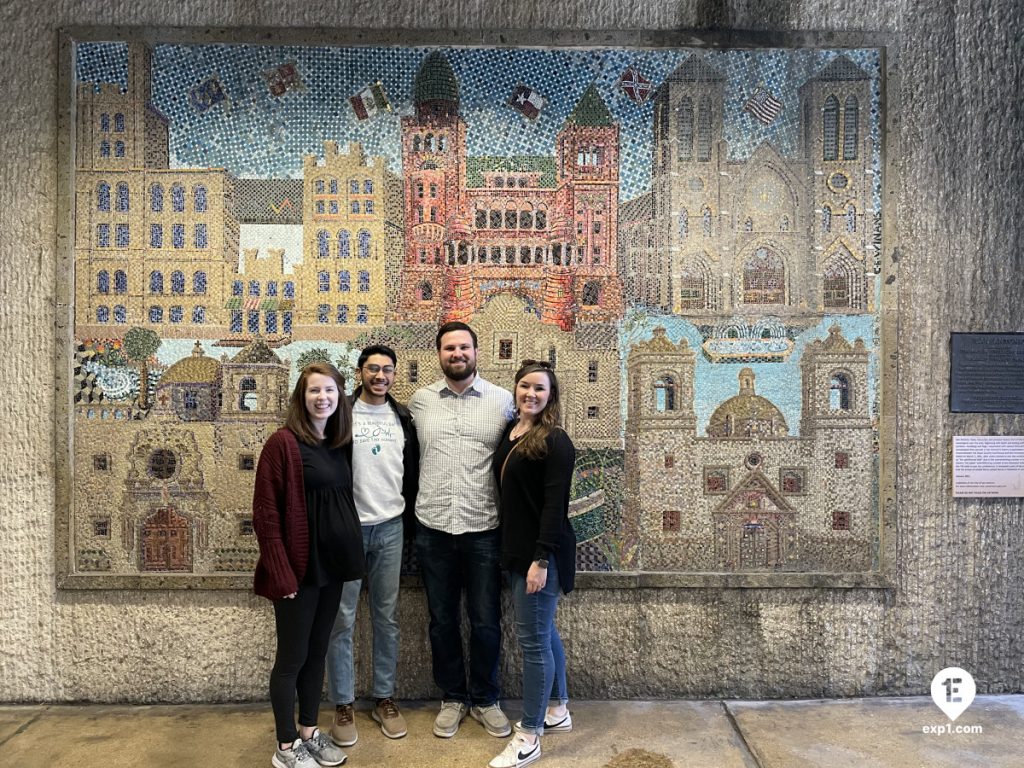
(460, 375)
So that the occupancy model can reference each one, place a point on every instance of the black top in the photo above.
(534, 506)
(335, 535)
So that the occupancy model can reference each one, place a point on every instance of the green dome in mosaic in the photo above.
(435, 80)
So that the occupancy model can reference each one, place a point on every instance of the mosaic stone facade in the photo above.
(692, 240)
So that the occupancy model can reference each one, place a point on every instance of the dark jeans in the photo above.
(451, 564)
(303, 630)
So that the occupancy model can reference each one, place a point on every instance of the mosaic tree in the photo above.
(140, 344)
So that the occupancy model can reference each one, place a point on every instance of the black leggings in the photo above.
(303, 632)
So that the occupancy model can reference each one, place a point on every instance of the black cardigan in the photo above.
(534, 506)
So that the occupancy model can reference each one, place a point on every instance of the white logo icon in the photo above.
(953, 691)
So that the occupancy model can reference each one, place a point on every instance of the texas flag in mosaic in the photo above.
(369, 101)
(763, 106)
(635, 86)
(207, 94)
(526, 100)
(283, 78)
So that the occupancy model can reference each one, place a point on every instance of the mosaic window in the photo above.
(671, 521)
(103, 197)
(716, 480)
(177, 198)
(791, 480)
(101, 528)
(119, 123)
(840, 520)
(579, 223)
(122, 197)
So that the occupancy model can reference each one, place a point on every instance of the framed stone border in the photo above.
(881, 576)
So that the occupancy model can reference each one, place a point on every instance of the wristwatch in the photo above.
(542, 563)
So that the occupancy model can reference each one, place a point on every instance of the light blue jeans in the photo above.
(382, 545)
(543, 655)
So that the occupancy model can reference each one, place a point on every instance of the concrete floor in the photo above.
(620, 734)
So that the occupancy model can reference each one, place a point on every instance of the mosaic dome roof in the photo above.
(435, 80)
(197, 369)
(747, 414)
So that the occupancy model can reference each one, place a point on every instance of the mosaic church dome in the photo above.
(747, 414)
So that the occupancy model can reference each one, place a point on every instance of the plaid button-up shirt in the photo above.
(458, 435)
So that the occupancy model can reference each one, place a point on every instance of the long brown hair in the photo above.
(338, 430)
(534, 444)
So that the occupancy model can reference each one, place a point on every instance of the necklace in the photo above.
(519, 430)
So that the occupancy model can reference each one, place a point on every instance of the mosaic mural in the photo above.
(692, 238)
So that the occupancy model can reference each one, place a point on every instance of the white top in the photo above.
(458, 434)
(377, 444)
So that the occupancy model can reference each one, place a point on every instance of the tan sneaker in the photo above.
(343, 731)
(392, 724)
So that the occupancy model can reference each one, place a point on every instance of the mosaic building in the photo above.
(543, 228)
(154, 245)
(767, 234)
(747, 495)
(173, 494)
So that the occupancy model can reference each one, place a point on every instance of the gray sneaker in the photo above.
(492, 719)
(296, 757)
(447, 722)
(324, 750)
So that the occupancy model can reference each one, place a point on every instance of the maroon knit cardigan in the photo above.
(279, 517)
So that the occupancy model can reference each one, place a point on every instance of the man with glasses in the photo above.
(460, 419)
(385, 474)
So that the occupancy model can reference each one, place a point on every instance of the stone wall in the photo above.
(957, 156)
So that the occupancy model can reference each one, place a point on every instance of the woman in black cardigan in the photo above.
(533, 466)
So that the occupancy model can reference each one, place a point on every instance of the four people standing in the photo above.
(317, 508)
(386, 476)
(459, 420)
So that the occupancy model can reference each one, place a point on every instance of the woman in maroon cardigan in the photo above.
(310, 544)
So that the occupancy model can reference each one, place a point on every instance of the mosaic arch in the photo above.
(692, 237)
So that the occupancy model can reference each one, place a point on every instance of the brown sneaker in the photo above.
(392, 724)
(343, 731)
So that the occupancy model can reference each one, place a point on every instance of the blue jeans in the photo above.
(543, 655)
(382, 545)
(451, 564)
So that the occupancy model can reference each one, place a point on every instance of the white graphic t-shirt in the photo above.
(377, 444)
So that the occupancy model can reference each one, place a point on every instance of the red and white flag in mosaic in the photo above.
(369, 101)
(635, 86)
(283, 79)
(526, 100)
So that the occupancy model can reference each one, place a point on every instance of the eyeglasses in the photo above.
(539, 363)
(387, 370)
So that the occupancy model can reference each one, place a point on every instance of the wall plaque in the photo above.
(988, 466)
(986, 373)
